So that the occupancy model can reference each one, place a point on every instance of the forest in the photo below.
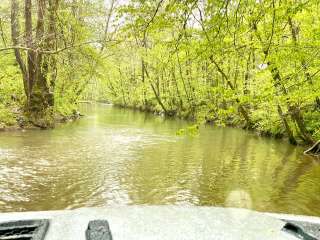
(244, 63)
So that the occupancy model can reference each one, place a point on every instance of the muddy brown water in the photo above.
(117, 157)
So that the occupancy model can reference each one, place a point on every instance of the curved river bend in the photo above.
(119, 157)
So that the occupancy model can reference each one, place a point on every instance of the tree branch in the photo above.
(50, 52)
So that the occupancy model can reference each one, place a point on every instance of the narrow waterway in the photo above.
(120, 157)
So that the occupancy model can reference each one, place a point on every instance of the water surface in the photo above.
(120, 157)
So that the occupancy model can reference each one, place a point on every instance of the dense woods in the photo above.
(248, 63)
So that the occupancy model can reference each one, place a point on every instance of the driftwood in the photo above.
(314, 150)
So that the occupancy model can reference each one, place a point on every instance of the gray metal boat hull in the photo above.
(166, 223)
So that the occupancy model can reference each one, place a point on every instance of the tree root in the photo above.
(314, 150)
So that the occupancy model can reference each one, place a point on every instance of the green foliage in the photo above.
(11, 90)
(6, 116)
(192, 130)
(253, 64)
(212, 66)
(76, 62)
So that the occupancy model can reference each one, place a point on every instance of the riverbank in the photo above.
(233, 120)
(13, 118)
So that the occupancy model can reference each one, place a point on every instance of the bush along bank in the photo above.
(263, 123)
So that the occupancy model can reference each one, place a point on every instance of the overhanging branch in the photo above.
(50, 52)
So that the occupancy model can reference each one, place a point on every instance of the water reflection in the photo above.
(119, 157)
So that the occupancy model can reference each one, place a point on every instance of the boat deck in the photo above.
(167, 223)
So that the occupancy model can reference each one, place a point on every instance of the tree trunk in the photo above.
(241, 108)
(15, 33)
(177, 87)
(144, 100)
(292, 140)
(35, 71)
(294, 110)
(183, 82)
(155, 92)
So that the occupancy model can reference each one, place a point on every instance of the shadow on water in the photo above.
(116, 156)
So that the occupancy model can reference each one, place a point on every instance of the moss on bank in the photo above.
(13, 117)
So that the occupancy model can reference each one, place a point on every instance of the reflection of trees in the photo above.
(163, 170)
(306, 197)
(212, 167)
(221, 168)
(288, 195)
(220, 161)
(284, 161)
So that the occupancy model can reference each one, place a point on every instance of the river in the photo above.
(115, 157)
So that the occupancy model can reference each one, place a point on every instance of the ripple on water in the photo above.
(116, 157)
